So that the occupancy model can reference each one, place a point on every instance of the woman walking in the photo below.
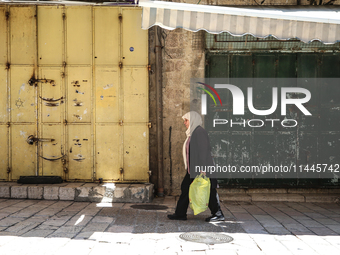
(196, 152)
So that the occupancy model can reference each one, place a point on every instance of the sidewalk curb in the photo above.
(80, 192)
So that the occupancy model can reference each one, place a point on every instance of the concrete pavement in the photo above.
(68, 227)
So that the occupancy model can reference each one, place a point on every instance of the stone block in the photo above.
(19, 192)
(82, 194)
(169, 66)
(88, 193)
(121, 193)
(5, 192)
(172, 40)
(267, 191)
(175, 53)
(137, 192)
(149, 193)
(235, 197)
(35, 192)
(277, 197)
(322, 198)
(67, 193)
(97, 194)
(180, 65)
(308, 191)
(222, 191)
(108, 189)
(51, 192)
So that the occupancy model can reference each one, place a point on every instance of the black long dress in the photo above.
(200, 155)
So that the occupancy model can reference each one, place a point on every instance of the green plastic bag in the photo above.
(199, 193)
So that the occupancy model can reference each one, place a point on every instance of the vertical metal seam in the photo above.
(147, 120)
(63, 86)
(252, 136)
(8, 105)
(147, 110)
(319, 60)
(66, 127)
(37, 93)
(276, 132)
(121, 95)
(297, 147)
(93, 99)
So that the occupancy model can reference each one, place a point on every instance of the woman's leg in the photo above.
(183, 201)
(214, 206)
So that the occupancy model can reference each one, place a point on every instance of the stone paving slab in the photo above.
(69, 227)
(278, 197)
(235, 197)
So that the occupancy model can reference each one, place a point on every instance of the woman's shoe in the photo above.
(214, 218)
(176, 217)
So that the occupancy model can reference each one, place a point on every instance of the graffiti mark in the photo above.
(22, 88)
(51, 99)
(80, 158)
(79, 92)
(77, 142)
(23, 134)
(51, 104)
(19, 103)
(78, 103)
(52, 158)
(34, 81)
(77, 116)
(75, 83)
(224, 141)
(108, 86)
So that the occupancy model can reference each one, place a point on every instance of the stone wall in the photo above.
(182, 60)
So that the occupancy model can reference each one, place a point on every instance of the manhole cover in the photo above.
(149, 207)
(207, 238)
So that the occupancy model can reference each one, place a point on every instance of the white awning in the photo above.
(306, 23)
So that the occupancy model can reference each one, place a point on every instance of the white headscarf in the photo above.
(195, 120)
